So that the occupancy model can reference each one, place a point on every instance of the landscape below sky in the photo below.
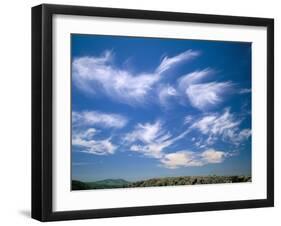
(146, 108)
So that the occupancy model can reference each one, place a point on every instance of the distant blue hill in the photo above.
(108, 183)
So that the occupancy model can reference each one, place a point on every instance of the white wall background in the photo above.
(15, 113)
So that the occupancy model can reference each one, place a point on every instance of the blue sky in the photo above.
(150, 107)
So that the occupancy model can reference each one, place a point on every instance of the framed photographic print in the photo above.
(144, 112)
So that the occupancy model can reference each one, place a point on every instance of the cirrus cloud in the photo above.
(152, 140)
(203, 95)
(93, 74)
(89, 118)
(169, 62)
(165, 93)
(88, 144)
(221, 125)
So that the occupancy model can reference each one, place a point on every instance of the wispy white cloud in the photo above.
(203, 95)
(187, 119)
(194, 78)
(165, 93)
(99, 74)
(89, 118)
(86, 134)
(224, 125)
(80, 163)
(83, 134)
(151, 139)
(146, 133)
(244, 91)
(169, 62)
(216, 123)
(154, 150)
(237, 136)
(88, 144)
(190, 158)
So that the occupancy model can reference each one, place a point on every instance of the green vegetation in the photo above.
(78, 185)
(191, 180)
(166, 181)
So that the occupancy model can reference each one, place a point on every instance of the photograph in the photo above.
(151, 112)
(141, 112)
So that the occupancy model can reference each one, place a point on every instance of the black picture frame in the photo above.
(42, 107)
